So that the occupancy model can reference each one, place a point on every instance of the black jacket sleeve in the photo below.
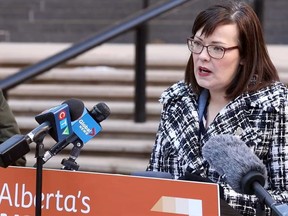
(8, 126)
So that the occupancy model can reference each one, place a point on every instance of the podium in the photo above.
(84, 193)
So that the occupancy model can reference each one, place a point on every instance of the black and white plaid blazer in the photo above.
(260, 120)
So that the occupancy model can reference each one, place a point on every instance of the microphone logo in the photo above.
(59, 119)
(62, 115)
(63, 122)
(86, 127)
(93, 132)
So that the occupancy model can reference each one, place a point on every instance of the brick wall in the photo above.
(75, 20)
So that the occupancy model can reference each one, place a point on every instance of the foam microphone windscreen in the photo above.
(229, 155)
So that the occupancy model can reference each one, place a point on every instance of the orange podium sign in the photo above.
(97, 194)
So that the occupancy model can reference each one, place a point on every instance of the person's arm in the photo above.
(8, 125)
(277, 165)
(174, 150)
(156, 159)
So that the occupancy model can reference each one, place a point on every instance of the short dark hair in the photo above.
(253, 52)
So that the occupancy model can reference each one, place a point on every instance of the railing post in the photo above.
(259, 9)
(140, 71)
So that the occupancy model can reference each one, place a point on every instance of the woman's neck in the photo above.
(218, 99)
(216, 103)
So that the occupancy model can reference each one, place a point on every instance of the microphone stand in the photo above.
(264, 196)
(70, 163)
(253, 182)
(39, 160)
(37, 135)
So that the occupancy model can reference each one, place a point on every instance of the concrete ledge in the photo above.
(101, 74)
(82, 91)
(107, 164)
(279, 56)
(117, 107)
(169, 55)
(107, 54)
(109, 125)
(107, 145)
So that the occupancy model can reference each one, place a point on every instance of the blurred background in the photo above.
(124, 53)
(72, 20)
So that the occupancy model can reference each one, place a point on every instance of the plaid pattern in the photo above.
(259, 119)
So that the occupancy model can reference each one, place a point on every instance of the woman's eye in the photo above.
(196, 43)
(217, 48)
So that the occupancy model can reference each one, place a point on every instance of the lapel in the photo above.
(245, 120)
(181, 121)
(236, 121)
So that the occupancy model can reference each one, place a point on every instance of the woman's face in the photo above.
(216, 74)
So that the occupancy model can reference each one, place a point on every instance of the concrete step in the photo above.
(118, 108)
(118, 127)
(107, 145)
(103, 164)
(112, 154)
(101, 155)
(123, 146)
(110, 75)
(104, 152)
(118, 55)
(38, 91)
(100, 75)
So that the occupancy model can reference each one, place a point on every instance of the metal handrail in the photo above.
(84, 46)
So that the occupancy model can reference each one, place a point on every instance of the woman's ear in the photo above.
(242, 62)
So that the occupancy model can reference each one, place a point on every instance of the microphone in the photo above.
(230, 156)
(84, 129)
(57, 120)
(54, 120)
(244, 171)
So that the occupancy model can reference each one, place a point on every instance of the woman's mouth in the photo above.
(204, 71)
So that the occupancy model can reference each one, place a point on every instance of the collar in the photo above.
(272, 97)
(176, 91)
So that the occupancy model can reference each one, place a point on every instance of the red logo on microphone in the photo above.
(93, 132)
(62, 115)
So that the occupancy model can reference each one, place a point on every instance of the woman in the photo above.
(230, 75)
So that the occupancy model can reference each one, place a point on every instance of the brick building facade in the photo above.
(75, 20)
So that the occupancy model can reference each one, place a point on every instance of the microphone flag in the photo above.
(86, 127)
(60, 120)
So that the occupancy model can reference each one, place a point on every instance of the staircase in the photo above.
(104, 74)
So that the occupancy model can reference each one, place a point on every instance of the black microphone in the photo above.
(18, 145)
(84, 129)
(244, 171)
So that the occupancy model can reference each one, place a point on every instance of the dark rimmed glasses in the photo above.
(214, 51)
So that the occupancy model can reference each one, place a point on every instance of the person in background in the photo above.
(8, 126)
(231, 87)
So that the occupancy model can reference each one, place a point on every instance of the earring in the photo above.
(253, 80)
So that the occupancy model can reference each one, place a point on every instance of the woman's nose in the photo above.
(204, 55)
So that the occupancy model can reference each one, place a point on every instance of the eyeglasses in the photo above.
(214, 51)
